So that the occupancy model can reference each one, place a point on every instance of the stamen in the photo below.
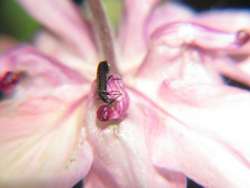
(115, 110)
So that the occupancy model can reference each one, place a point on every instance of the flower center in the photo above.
(111, 91)
(110, 88)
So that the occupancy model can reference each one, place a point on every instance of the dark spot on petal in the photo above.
(78, 2)
(235, 83)
(79, 184)
(192, 184)
(2, 96)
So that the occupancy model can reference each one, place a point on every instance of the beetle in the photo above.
(102, 79)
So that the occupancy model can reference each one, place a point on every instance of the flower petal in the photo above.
(54, 71)
(63, 18)
(41, 124)
(195, 107)
(245, 65)
(208, 142)
(223, 19)
(186, 33)
(132, 36)
(169, 59)
(188, 52)
(122, 158)
(54, 47)
(166, 14)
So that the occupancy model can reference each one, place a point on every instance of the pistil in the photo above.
(104, 33)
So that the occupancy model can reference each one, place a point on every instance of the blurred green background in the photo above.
(14, 21)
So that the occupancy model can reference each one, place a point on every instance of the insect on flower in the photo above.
(111, 91)
(163, 89)
(102, 81)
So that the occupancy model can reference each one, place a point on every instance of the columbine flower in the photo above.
(173, 116)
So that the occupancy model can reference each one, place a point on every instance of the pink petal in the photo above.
(51, 69)
(163, 62)
(188, 52)
(186, 33)
(220, 19)
(170, 58)
(166, 14)
(132, 34)
(58, 49)
(223, 20)
(228, 20)
(207, 142)
(245, 65)
(119, 100)
(63, 18)
(122, 156)
(42, 138)
(51, 45)
(195, 107)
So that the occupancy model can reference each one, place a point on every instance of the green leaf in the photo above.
(15, 21)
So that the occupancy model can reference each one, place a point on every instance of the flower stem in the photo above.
(104, 33)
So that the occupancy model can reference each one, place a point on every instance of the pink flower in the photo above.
(173, 116)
